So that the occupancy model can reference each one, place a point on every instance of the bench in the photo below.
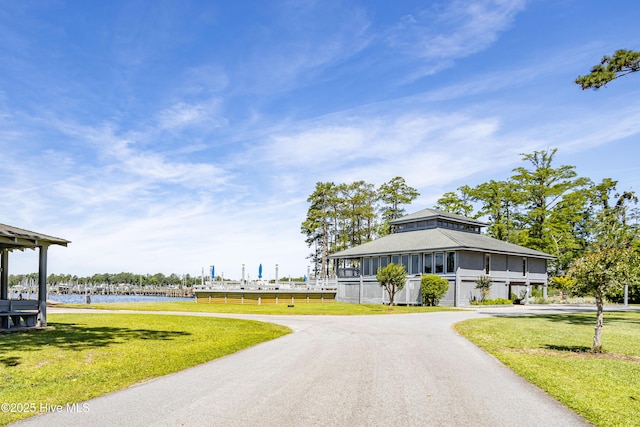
(14, 313)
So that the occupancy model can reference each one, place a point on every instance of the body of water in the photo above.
(80, 299)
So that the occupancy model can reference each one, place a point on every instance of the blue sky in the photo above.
(168, 136)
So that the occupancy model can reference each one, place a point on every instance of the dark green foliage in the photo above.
(484, 284)
(433, 288)
(393, 194)
(542, 206)
(622, 62)
(157, 279)
(319, 226)
(617, 295)
(612, 260)
(497, 301)
(459, 204)
(554, 198)
(499, 201)
(393, 278)
(341, 216)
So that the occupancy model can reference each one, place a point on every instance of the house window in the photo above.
(487, 263)
(451, 262)
(374, 266)
(384, 261)
(524, 266)
(415, 264)
(405, 262)
(428, 263)
(439, 262)
(366, 269)
(395, 259)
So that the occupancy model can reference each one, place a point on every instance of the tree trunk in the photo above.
(325, 242)
(597, 336)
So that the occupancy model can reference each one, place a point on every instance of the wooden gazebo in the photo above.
(24, 313)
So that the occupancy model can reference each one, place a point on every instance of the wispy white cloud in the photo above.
(204, 81)
(439, 35)
(293, 51)
(346, 143)
(182, 114)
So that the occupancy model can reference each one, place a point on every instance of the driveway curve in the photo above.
(409, 370)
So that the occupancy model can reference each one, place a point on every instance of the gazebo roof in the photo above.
(428, 213)
(17, 238)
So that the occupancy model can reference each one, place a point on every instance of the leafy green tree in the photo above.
(433, 288)
(612, 260)
(569, 229)
(317, 225)
(455, 203)
(621, 63)
(542, 206)
(600, 272)
(483, 283)
(393, 194)
(345, 215)
(499, 201)
(359, 213)
(392, 278)
(543, 188)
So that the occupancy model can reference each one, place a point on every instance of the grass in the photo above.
(80, 357)
(552, 351)
(333, 308)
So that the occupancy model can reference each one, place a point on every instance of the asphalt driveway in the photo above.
(409, 370)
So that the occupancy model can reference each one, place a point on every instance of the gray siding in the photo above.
(471, 260)
(498, 262)
(537, 266)
(373, 293)
(505, 273)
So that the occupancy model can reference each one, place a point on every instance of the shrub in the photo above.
(497, 301)
(484, 284)
(393, 278)
(433, 288)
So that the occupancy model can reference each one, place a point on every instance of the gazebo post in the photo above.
(42, 286)
(4, 283)
(4, 274)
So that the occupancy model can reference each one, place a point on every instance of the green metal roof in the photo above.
(437, 239)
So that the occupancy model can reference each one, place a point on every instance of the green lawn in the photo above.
(552, 351)
(331, 308)
(83, 356)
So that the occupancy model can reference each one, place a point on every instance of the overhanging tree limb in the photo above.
(622, 62)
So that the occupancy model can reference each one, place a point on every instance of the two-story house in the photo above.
(435, 242)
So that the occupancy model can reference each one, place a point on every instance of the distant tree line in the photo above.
(157, 279)
(341, 216)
